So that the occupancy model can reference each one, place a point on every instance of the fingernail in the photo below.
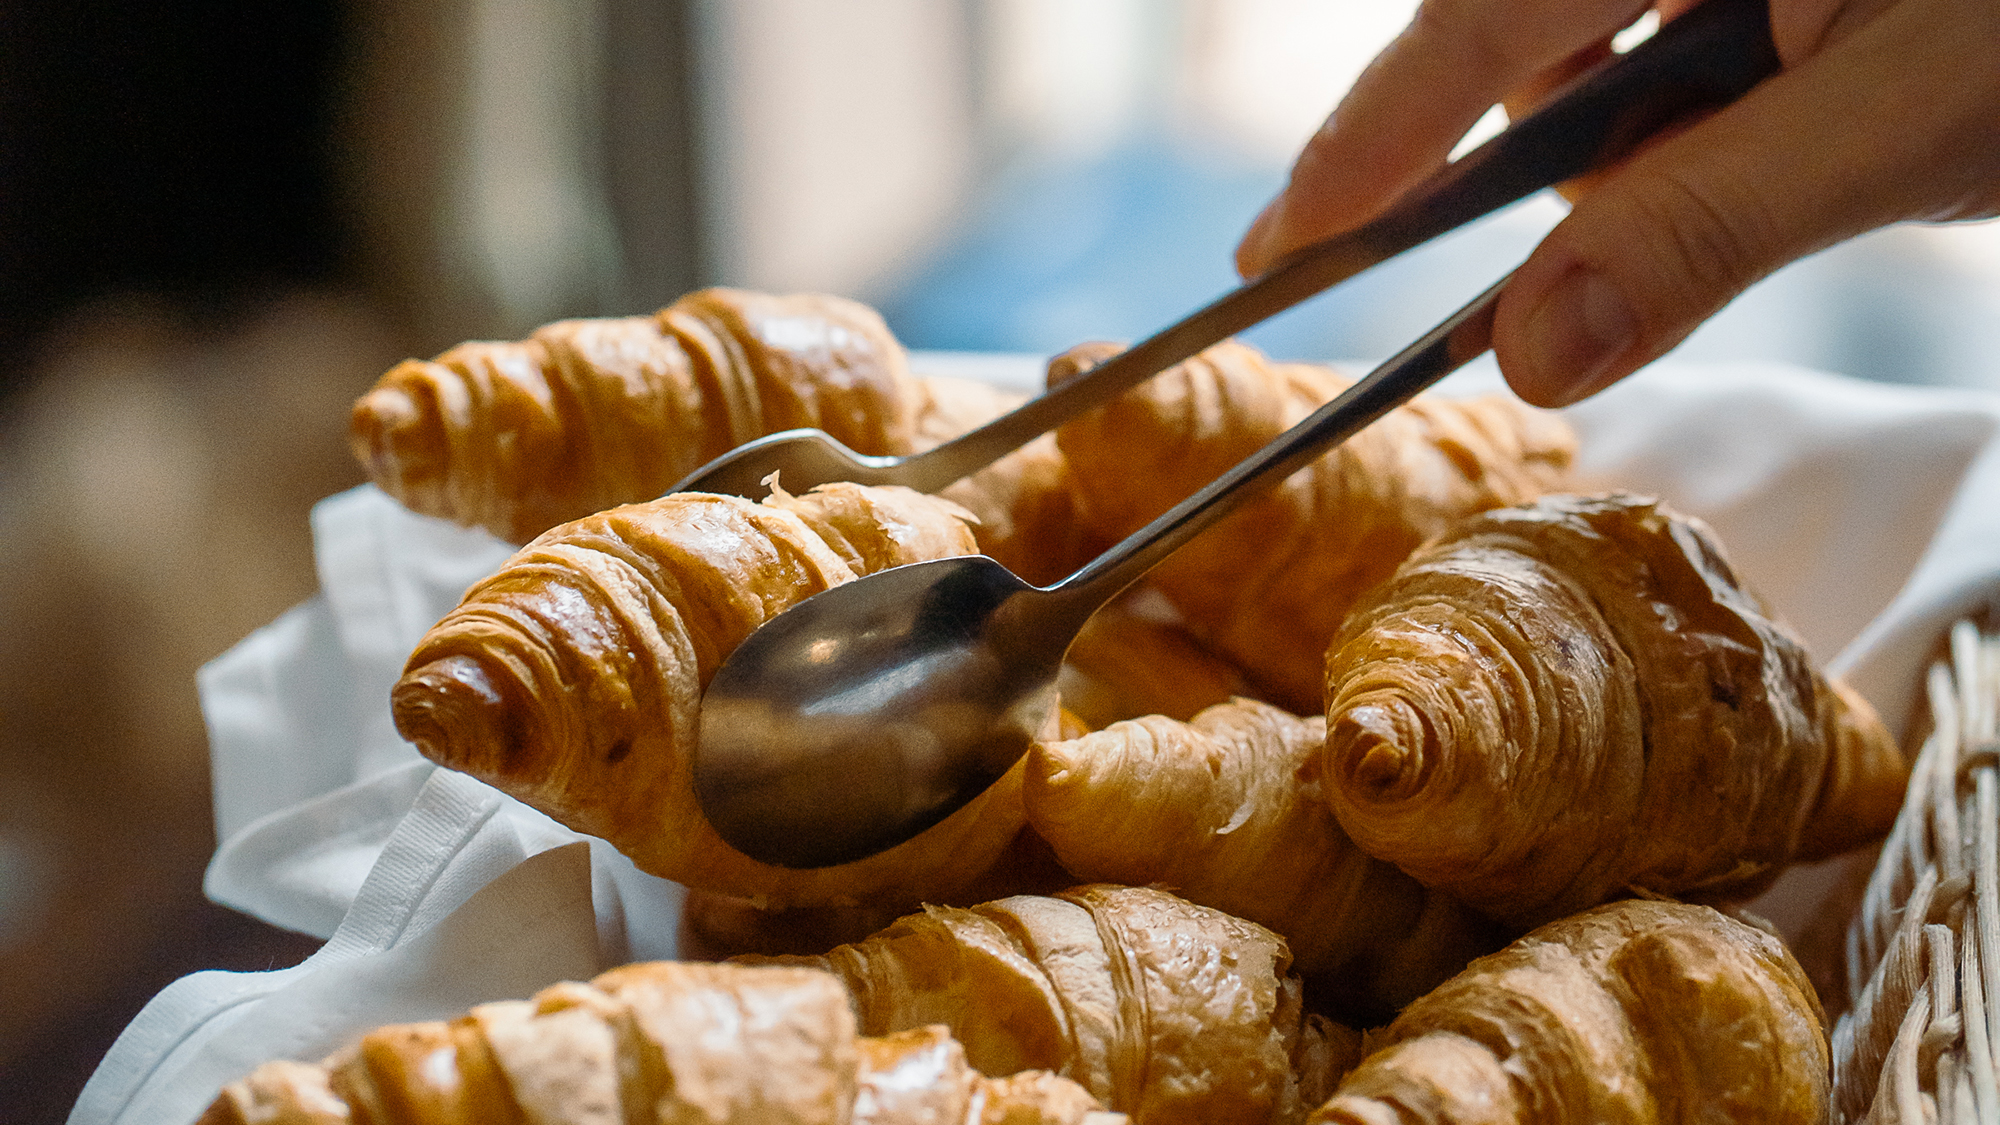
(1582, 326)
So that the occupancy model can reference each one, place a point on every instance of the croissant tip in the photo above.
(454, 712)
(1380, 748)
(1380, 765)
(392, 433)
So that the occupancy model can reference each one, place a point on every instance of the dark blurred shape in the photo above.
(158, 480)
(41, 1082)
(178, 147)
(178, 150)
(220, 220)
(652, 150)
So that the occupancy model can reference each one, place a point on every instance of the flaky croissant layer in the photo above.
(585, 414)
(1227, 809)
(1551, 703)
(1163, 1009)
(1633, 1013)
(572, 678)
(520, 436)
(1268, 586)
(660, 1042)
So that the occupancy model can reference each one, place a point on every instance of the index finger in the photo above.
(1398, 123)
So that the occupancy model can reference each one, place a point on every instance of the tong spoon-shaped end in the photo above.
(869, 712)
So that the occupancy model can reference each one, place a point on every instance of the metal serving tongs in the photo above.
(865, 714)
(1708, 57)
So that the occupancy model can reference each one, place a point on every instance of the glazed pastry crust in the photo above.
(518, 437)
(1633, 1013)
(572, 679)
(1268, 586)
(1555, 702)
(921, 1077)
(1228, 811)
(661, 1041)
(1162, 1009)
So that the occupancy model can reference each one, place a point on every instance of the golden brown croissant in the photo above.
(657, 1042)
(1634, 1013)
(1555, 702)
(1162, 1009)
(1227, 810)
(517, 437)
(1268, 586)
(572, 678)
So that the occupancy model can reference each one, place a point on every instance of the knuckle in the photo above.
(1712, 243)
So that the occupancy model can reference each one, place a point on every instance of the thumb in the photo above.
(1855, 138)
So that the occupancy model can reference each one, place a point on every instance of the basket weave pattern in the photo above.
(1923, 953)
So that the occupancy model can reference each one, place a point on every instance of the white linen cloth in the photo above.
(1867, 515)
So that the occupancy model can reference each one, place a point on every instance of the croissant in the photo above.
(1227, 810)
(1552, 703)
(1634, 1013)
(572, 679)
(1268, 586)
(585, 414)
(1160, 1008)
(518, 437)
(662, 1042)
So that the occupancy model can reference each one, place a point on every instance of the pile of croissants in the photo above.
(1418, 790)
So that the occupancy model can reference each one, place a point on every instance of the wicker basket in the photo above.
(1923, 953)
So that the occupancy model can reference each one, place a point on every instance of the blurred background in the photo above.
(220, 220)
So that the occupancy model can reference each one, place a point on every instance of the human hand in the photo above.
(1884, 110)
